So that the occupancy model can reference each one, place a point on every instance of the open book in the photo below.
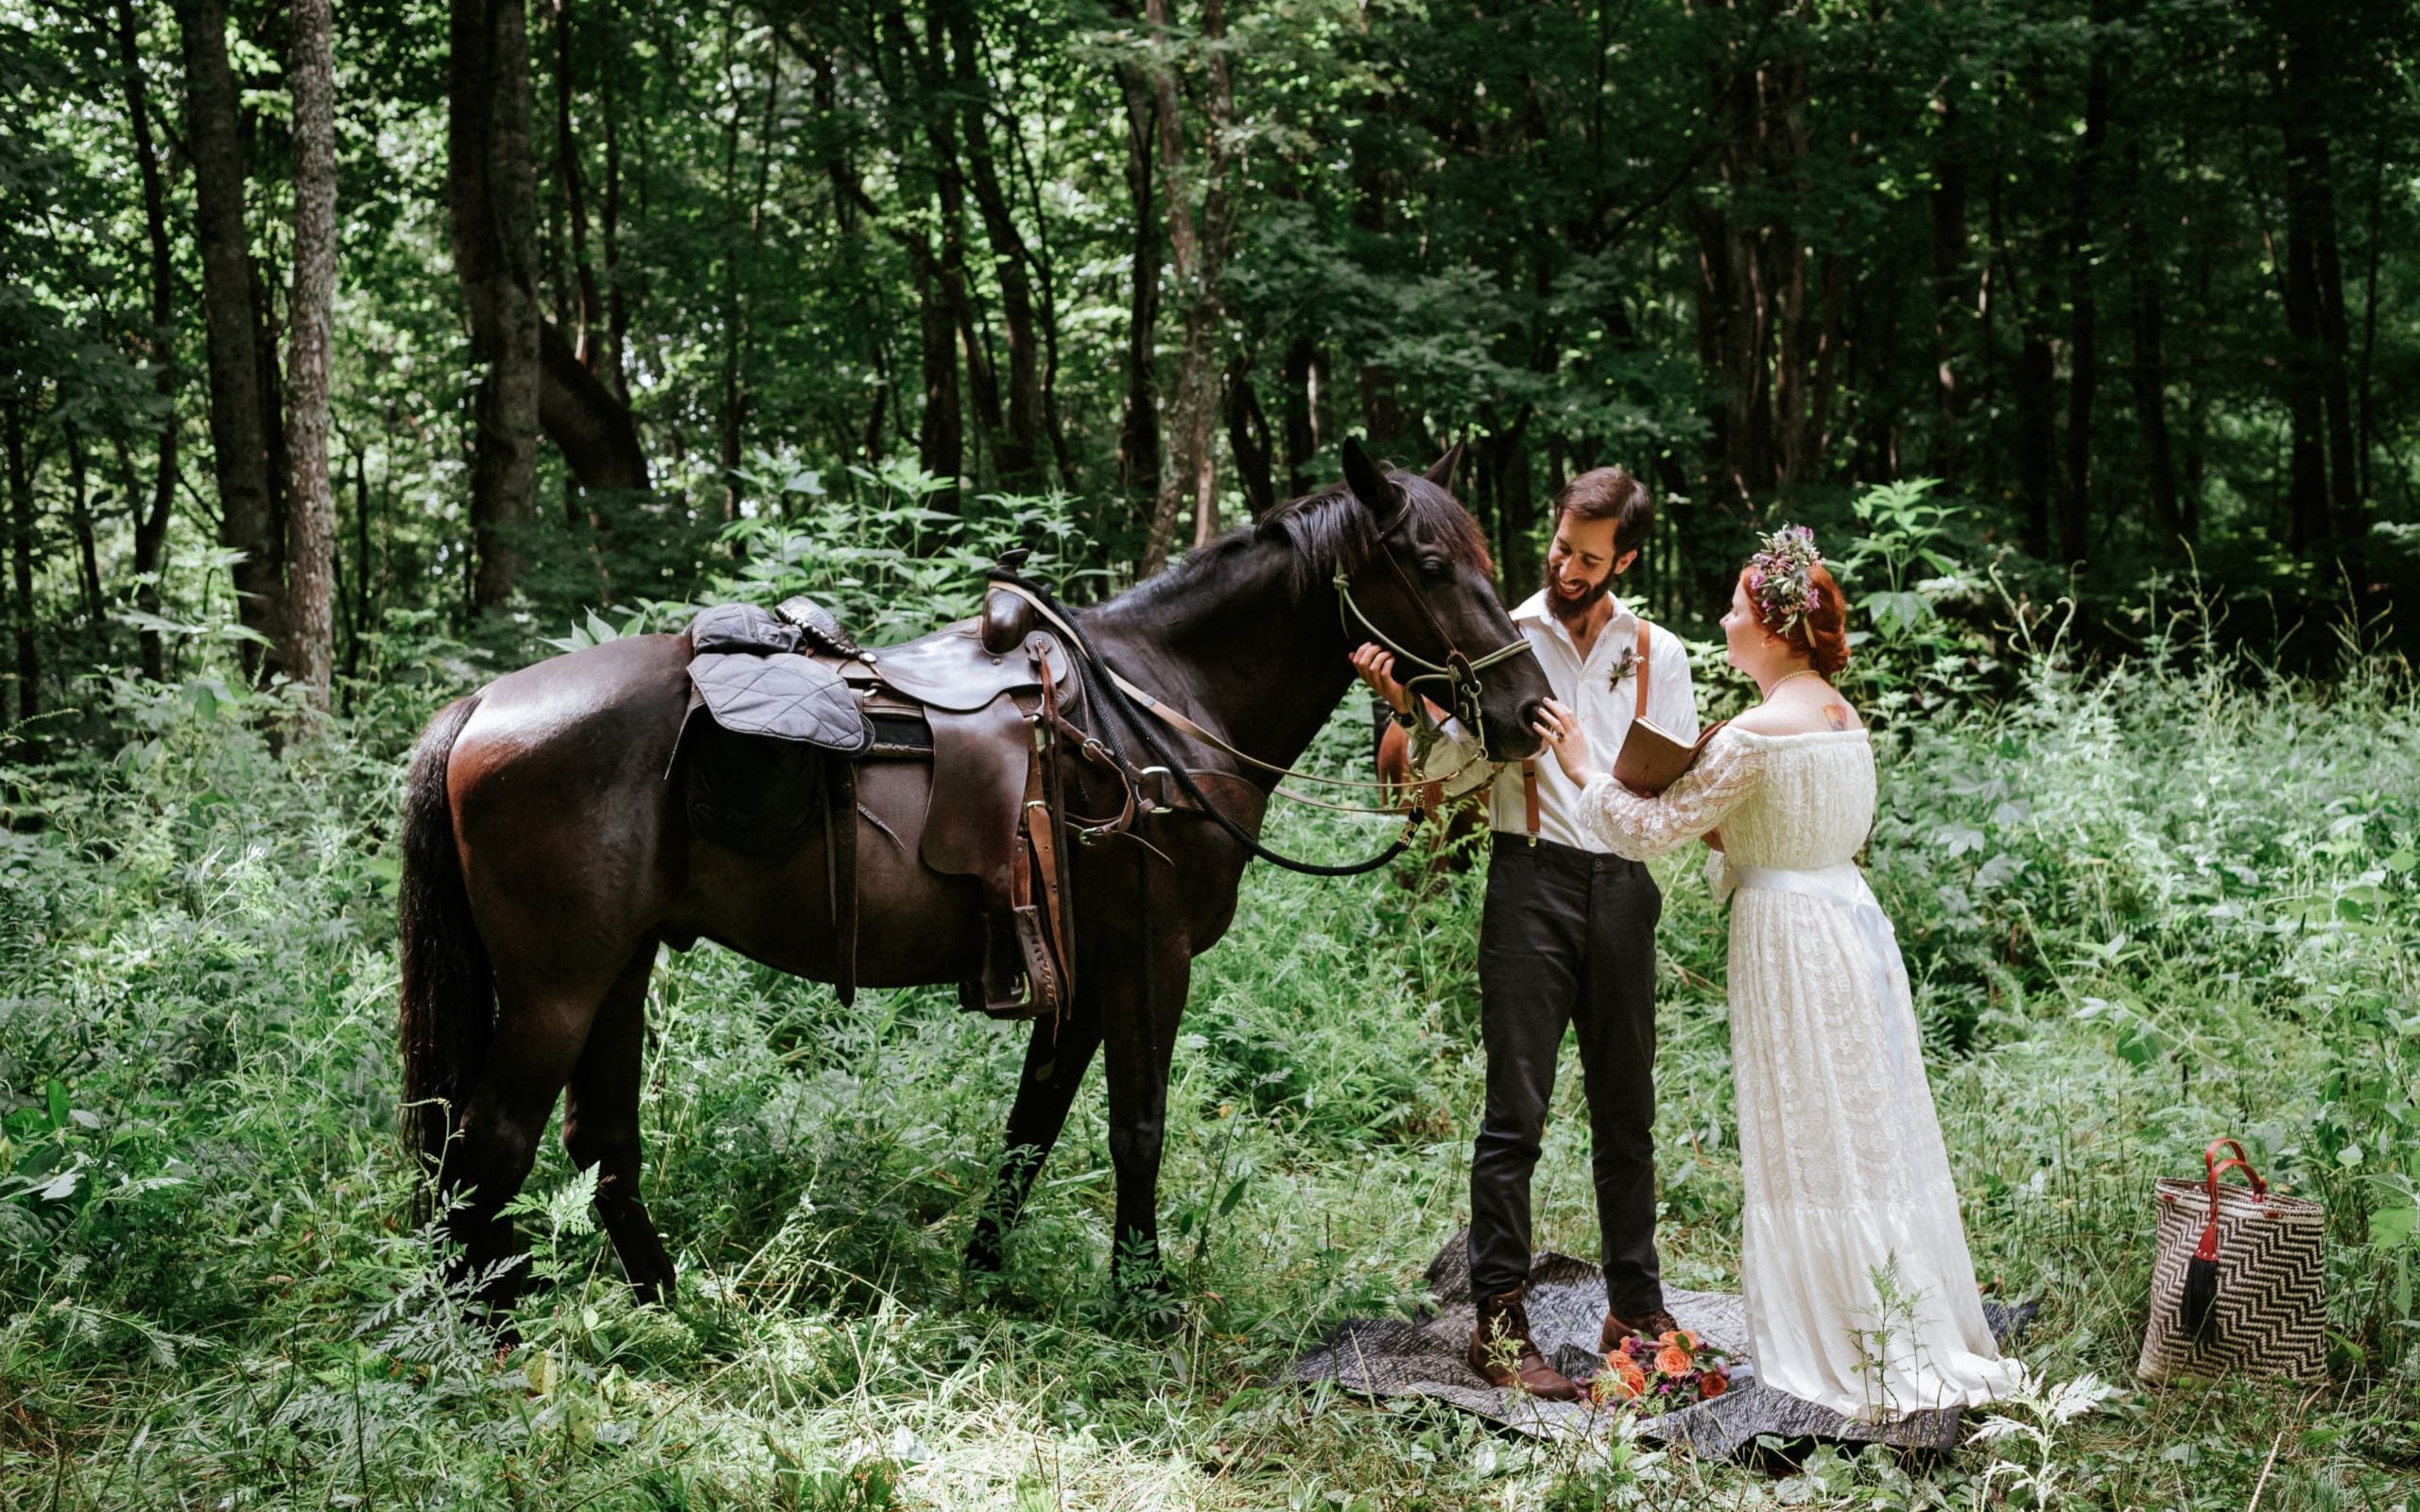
(1653, 758)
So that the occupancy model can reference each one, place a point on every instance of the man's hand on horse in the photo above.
(1558, 726)
(1376, 666)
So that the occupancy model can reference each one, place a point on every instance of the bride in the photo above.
(1860, 1293)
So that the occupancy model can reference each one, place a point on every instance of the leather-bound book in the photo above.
(1653, 758)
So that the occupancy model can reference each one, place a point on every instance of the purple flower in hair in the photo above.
(1780, 579)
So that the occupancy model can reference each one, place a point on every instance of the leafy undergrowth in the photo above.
(2142, 909)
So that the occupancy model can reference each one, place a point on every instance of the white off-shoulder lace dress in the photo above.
(1859, 1291)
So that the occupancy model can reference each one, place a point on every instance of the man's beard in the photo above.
(1572, 611)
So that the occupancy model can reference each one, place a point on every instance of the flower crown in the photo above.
(1780, 576)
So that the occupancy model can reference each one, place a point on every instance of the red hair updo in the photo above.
(1823, 629)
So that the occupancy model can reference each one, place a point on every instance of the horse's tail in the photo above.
(449, 988)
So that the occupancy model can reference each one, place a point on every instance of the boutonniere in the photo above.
(1624, 666)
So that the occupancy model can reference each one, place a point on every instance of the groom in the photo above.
(1568, 937)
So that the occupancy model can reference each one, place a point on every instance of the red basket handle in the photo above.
(2214, 1165)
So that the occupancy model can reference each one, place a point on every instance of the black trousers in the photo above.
(1568, 937)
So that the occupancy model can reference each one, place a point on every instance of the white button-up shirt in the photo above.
(1602, 687)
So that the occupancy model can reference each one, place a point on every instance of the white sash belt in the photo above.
(1845, 887)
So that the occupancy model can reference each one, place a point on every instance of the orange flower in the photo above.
(1712, 1384)
(1623, 1371)
(1672, 1360)
(1680, 1336)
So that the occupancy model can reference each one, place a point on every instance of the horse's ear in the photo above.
(1368, 483)
(1442, 474)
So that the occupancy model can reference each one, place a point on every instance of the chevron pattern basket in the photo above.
(2265, 1317)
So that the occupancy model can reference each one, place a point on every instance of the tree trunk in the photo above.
(941, 437)
(1249, 439)
(585, 307)
(1200, 254)
(2037, 435)
(310, 623)
(1018, 448)
(239, 428)
(617, 310)
(21, 557)
(2305, 359)
(1138, 429)
(2310, 198)
(80, 518)
(152, 524)
(1504, 461)
(2150, 367)
(2084, 360)
(1302, 434)
(738, 254)
(492, 192)
(1949, 201)
(361, 565)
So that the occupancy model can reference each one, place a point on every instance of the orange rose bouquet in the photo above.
(1663, 1374)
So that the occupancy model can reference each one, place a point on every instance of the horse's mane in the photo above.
(1330, 532)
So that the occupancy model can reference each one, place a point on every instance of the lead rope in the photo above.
(1115, 692)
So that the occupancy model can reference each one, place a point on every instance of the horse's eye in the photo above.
(1434, 571)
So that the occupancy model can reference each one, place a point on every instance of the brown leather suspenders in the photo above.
(1529, 763)
(1640, 712)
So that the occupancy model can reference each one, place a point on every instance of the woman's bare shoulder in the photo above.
(1794, 716)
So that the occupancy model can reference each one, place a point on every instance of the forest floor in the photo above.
(2141, 910)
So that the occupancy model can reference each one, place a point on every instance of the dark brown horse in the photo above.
(547, 857)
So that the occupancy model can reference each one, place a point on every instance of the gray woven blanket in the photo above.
(1388, 1357)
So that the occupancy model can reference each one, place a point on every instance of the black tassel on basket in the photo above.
(2201, 1296)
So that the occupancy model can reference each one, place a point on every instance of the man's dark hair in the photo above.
(1611, 493)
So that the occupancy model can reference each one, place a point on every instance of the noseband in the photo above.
(1458, 677)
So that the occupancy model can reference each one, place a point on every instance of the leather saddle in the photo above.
(981, 699)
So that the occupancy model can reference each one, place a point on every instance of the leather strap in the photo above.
(1530, 797)
(2208, 1247)
(1057, 882)
(840, 871)
(1640, 712)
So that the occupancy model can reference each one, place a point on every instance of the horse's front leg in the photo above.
(1141, 1004)
(1055, 1060)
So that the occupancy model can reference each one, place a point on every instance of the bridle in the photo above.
(1459, 673)
(1104, 687)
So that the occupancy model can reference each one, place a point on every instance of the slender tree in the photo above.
(151, 520)
(234, 322)
(1199, 248)
(492, 195)
(310, 622)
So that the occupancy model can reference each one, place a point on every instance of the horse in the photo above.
(547, 857)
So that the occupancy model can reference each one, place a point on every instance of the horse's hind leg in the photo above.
(528, 1062)
(543, 1021)
(1055, 1060)
(601, 1124)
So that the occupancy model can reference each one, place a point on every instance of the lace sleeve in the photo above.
(1642, 829)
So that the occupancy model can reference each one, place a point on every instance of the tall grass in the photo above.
(2167, 901)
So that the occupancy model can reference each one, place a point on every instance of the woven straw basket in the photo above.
(2266, 1319)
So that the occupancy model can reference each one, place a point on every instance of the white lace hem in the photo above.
(1814, 1312)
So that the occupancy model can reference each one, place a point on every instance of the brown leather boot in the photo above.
(1502, 1317)
(1654, 1323)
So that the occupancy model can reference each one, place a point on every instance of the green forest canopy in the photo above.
(609, 276)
